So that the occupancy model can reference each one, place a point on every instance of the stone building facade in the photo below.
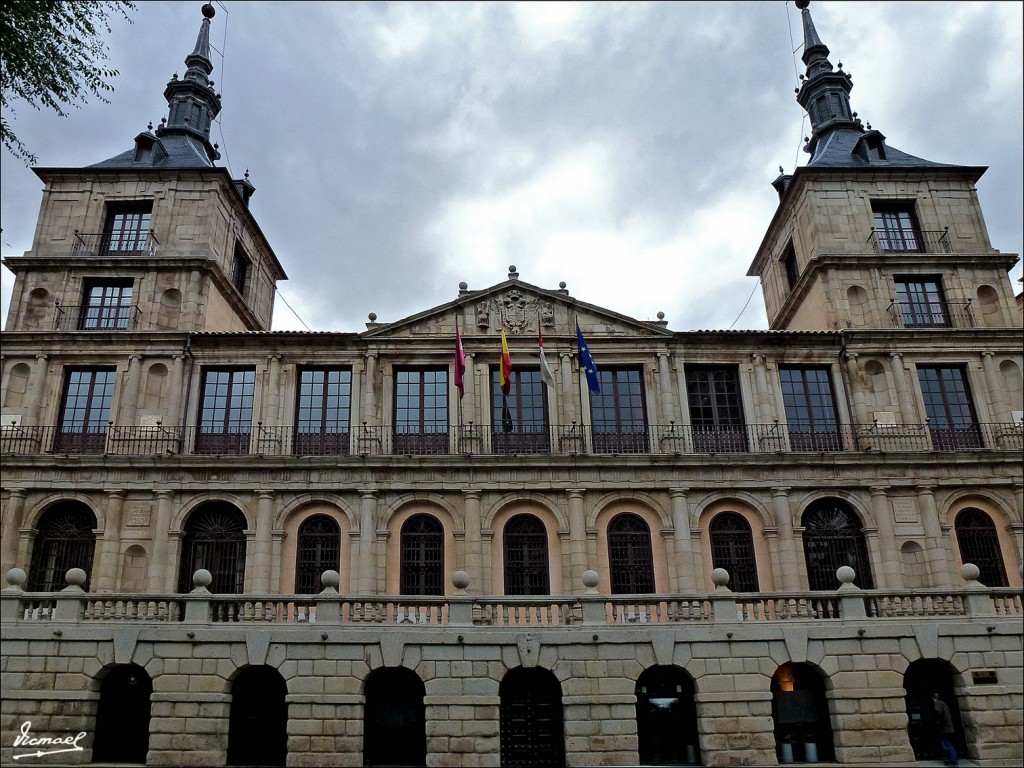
(227, 545)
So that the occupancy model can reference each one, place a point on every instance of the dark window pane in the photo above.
(833, 538)
(949, 408)
(732, 548)
(422, 566)
(618, 413)
(318, 549)
(630, 559)
(811, 415)
(225, 418)
(526, 557)
(979, 544)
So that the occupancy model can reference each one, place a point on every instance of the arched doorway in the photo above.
(666, 717)
(394, 728)
(64, 540)
(732, 548)
(532, 732)
(833, 537)
(979, 544)
(922, 679)
(215, 540)
(422, 565)
(630, 558)
(122, 719)
(318, 550)
(803, 728)
(258, 725)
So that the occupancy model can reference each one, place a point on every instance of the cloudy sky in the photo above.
(625, 149)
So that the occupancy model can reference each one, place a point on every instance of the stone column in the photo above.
(37, 389)
(889, 570)
(366, 577)
(860, 412)
(368, 408)
(161, 572)
(763, 391)
(276, 545)
(687, 575)
(998, 409)
(937, 554)
(9, 534)
(577, 539)
(1018, 495)
(788, 555)
(110, 546)
(899, 376)
(570, 398)
(129, 406)
(272, 402)
(174, 417)
(470, 413)
(264, 528)
(474, 554)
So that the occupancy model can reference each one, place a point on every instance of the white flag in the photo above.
(545, 371)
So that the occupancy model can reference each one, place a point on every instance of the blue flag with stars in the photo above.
(587, 361)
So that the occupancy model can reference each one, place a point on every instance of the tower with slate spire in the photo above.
(867, 236)
(155, 238)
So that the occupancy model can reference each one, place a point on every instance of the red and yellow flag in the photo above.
(506, 366)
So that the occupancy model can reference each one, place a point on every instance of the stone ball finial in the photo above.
(720, 577)
(463, 285)
(372, 317)
(209, 11)
(970, 572)
(460, 579)
(562, 285)
(845, 574)
(512, 268)
(661, 315)
(75, 577)
(802, 4)
(330, 579)
(202, 578)
(16, 577)
(591, 578)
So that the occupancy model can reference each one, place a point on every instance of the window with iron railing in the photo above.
(421, 411)
(949, 407)
(106, 305)
(323, 416)
(519, 422)
(716, 411)
(619, 418)
(225, 411)
(811, 416)
(896, 227)
(921, 302)
(85, 413)
(127, 229)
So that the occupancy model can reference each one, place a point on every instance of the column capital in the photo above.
(575, 493)
(163, 493)
(677, 492)
(265, 494)
(895, 355)
(925, 490)
(781, 490)
(986, 354)
(367, 493)
(17, 493)
(472, 493)
(42, 357)
(118, 493)
(879, 490)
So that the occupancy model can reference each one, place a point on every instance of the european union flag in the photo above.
(587, 361)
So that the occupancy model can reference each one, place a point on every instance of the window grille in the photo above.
(833, 538)
(979, 544)
(64, 540)
(422, 568)
(732, 548)
(215, 540)
(630, 560)
(526, 557)
(318, 550)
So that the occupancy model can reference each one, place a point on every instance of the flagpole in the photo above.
(579, 383)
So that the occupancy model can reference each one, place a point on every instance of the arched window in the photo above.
(395, 726)
(666, 717)
(630, 561)
(318, 550)
(803, 728)
(258, 723)
(122, 719)
(64, 540)
(531, 728)
(732, 548)
(979, 544)
(526, 557)
(215, 540)
(422, 571)
(833, 538)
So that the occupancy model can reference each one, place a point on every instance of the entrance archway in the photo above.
(666, 717)
(923, 678)
(122, 719)
(803, 728)
(394, 727)
(532, 732)
(258, 727)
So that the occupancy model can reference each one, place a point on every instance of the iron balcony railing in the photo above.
(484, 439)
(133, 244)
(99, 318)
(931, 314)
(902, 241)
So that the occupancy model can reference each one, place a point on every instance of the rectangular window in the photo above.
(107, 306)
(921, 302)
(618, 415)
(421, 411)
(324, 407)
(949, 407)
(811, 414)
(127, 229)
(225, 416)
(85, 413)
(716, 413)
(790, 266)
(240, 270)
(896, 227)
(524, 428)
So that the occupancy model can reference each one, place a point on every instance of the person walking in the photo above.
(946, 730)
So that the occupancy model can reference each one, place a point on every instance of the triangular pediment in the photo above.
(520, 308)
